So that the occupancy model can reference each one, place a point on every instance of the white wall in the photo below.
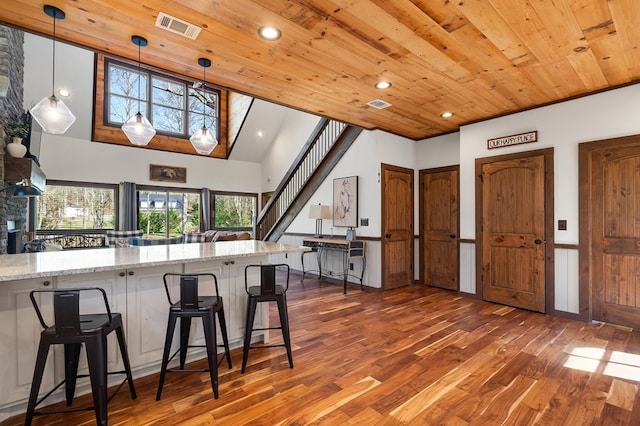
(438, 152)
(292, 134)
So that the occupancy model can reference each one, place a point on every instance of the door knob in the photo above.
(452, 235)
(388, 236)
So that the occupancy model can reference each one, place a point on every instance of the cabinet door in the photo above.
(147, 314)
(20, 337)
(114, 284)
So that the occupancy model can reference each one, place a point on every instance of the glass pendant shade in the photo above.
(139, 130)
(53, 115)
(203, 141)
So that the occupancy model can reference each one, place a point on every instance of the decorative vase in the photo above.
(16, 149)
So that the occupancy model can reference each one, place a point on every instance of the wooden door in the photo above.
(615, 241)
(513, 231)
(397, 226)
(439, 227)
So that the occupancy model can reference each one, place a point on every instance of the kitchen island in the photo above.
(132, 278)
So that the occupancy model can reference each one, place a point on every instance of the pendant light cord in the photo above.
(204, 98)
(139, 76)
(53, 74)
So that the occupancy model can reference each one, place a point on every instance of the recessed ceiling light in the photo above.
(383, 85)
(259, 133)
(269, 33)
(64, 93)
(446, 115)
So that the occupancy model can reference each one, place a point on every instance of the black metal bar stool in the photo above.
(266, 291)
(72, 330)
(189, 306)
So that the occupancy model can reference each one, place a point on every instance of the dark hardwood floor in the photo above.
(411, 356)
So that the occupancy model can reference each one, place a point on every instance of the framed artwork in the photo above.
(345, 201)
(167, 173)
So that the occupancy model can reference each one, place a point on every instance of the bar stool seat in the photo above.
(266, 291)
(72, 330)
(192, 305)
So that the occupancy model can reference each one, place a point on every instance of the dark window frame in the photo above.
(150, 73)
(212, 209)
(167, 190)
(75, 231)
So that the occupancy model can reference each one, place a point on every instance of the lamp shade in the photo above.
(53, 115)
(26, 191)
(319, 211)
(22, 189)
(138, 129)
(203, 141)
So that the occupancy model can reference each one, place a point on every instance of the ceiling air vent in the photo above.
(177, 26)
(379, 104)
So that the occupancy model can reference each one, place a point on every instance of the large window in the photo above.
(233, 211)
(173, 106)
(168, 212)
(66, 209)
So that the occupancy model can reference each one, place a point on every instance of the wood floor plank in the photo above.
(410, 356)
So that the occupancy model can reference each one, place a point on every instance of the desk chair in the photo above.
(191, 305)
(266, 290)
(72, 330)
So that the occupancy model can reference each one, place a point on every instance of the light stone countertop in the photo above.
(68, 262)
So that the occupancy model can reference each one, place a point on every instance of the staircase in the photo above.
(322, 151)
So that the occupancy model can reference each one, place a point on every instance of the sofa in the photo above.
(214, 235)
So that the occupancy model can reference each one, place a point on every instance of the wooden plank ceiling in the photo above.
(475, 58)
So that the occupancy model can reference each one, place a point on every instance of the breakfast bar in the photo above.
(132, 279)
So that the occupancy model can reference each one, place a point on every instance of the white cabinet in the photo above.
(19, 339)
(147, 314)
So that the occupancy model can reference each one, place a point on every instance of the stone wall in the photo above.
(11, 107)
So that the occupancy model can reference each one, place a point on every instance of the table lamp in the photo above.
(319, 212)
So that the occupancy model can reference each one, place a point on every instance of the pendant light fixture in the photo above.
(138, 129)
(51, 113)
(202, 140)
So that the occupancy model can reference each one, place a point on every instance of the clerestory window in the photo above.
(173, 107)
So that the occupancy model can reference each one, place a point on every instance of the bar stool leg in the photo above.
(97, 361)
(284, 323)
(185, 328)
(209, 323)
(251, 312)
(41, 360)
(165, 357)
(71, 359)
(125, 360)
(225, 337)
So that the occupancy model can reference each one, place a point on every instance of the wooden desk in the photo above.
(349, 249)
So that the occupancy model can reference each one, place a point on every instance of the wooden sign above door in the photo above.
(513, 140)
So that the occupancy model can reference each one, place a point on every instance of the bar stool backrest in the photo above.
(189, 292)
(66, 309)
(268, 280)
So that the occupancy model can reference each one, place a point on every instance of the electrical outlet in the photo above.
(330, 272)
(562, 225)
(364, 222)
(351, 266)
